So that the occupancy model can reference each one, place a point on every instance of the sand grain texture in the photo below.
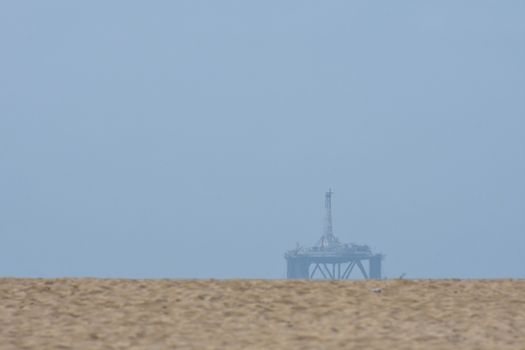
(251, 314)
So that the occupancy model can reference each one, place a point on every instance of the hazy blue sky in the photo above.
(196, 139)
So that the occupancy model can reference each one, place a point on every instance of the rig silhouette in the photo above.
(331, 259)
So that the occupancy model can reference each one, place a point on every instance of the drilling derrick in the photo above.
(328, 239)
(330, 259)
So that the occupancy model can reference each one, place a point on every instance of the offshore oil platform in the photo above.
(331, 259)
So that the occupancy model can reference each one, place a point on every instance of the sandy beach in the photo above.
(255, 314)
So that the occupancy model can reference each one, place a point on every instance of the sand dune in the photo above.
(242, 314)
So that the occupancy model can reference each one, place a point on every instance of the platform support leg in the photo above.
(297, 269)
(375, 267)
